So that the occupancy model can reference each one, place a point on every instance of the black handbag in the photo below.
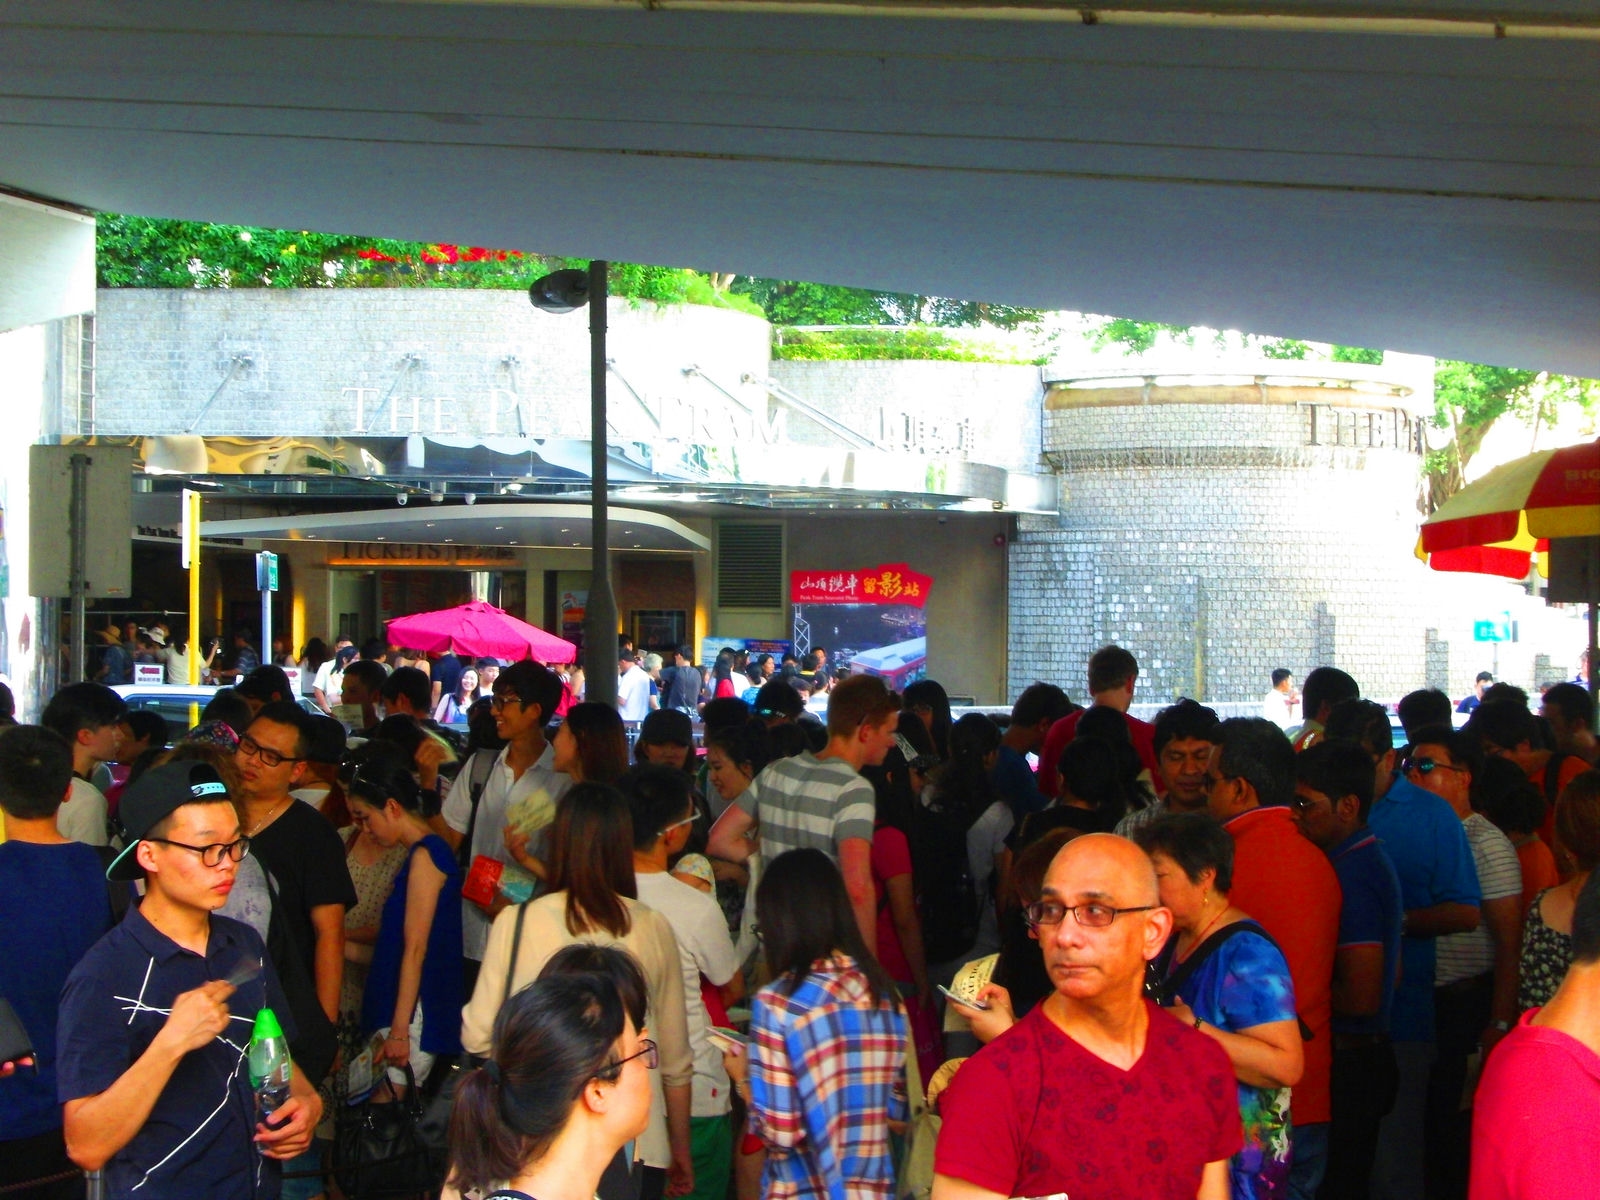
(394, 1149)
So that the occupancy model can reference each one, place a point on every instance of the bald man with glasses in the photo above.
(1096, 1093)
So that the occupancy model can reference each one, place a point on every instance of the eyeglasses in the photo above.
(1302, 803)
(1427, 766)
(213, 854)
(647, 1051)
(689, 820)
(1090, 916)
(499, 702)
(268, 756)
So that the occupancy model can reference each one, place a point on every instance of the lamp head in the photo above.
(560, 291)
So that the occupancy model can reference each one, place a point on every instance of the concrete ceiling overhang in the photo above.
(1388, 173)
(534, 526)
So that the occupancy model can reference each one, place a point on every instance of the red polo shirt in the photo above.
(1287, 884)
(1063, 731)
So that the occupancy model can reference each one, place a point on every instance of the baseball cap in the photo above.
(153, 797)
(697, 865)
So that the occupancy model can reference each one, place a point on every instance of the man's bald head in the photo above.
(1107, 856)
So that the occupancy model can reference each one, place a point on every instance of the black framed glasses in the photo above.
(268, 756)
(1091, 916)
(647, 1051)
(499, 702)
(213, 854)
(1427, 766)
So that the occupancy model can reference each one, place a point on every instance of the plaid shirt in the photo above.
(827, 1074)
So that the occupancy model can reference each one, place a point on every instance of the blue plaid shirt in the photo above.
(827, 1075)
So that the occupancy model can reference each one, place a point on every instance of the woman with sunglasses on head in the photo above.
(1222, 973)
(413, 992)
(592, 898)
(832, 1013)
(567, 1086)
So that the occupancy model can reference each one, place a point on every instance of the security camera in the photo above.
(560, 291)
(402, 499)
(472, 497)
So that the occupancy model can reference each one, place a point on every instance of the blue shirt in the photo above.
(196, 1144)
(1013, 778)
(439, 993)
(1369, 916)
(1243, 983)
(1428, 846)
(53, 907)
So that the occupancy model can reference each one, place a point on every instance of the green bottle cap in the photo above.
(266, 1026)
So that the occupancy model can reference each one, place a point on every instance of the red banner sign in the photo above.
(890, 583)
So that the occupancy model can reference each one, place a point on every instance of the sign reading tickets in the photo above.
(889, 583)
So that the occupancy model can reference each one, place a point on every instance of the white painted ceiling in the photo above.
(1350, 182)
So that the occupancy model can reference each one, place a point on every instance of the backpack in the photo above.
(475, 773)
(947, 895)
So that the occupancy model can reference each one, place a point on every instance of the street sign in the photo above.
(1493, 629)
(266, 571)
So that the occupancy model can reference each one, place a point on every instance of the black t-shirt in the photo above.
(1060, 816)
(306, 859)
(447, 674)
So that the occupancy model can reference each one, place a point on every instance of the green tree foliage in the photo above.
(890, 342)
(793, 302)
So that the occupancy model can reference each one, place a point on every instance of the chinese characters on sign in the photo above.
(888, 583)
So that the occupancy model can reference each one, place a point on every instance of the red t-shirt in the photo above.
(1063, 731)
(891, 856)
(1566, 771)
(1535, 1118)
(1033, 1114)
(1287, 884)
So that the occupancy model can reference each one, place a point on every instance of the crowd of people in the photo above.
(759, 953)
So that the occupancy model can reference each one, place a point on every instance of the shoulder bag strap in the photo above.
(1175, 981)
(475, 785)
(516, 945)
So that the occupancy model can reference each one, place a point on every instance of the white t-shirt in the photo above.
(82, 815)
(1462, 955)
(329, 682)
(540, 783)
(986, 838)
(1276, 708)
(633, 694)
(704, 948)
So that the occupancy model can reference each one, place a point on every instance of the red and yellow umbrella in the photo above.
(1494, 525)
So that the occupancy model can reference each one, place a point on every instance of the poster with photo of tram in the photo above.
(872, 621)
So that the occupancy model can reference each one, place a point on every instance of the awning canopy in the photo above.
(1402, 174)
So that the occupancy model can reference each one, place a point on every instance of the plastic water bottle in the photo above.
(269, 1065)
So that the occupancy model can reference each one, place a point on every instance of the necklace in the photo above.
(271, 816)
(1201, 936)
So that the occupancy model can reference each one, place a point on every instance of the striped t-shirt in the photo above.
(806, 801)
(1463, 955)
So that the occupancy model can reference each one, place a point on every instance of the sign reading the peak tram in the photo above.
(889, 583)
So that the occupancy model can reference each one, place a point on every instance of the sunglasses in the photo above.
(1427, 766)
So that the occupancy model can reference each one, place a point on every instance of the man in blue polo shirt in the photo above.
(155, 1020)
(1332, 799)
(1439, 887)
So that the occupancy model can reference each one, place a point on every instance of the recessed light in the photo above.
(430, 524)
(577, 543)
(499, 526)
(449, 540)
(512, 542)
(565, 530)
(382, 538)
(636, 546)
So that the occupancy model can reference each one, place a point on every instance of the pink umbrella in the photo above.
(479, 629)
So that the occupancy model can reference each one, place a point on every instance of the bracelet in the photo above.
(1198, 1021)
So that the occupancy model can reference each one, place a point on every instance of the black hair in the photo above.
(1186, 720)
(148, 726)
(81, 706)
(229, 707)
(380, 771)
(264, 682)
(1110, 667)
(400, 730)
(1280, 674)
(1464, 747)
(482, 732)
(1104, 722)
(550, 1040)
(368, 672)
(962, 785)
(926, 693)
(1573, 702)
(1040, 702)
(1507, 797)
(806, 915)
(749, 744)
(373, 649)
(1194, 842)
(315, 653)
(1095, 771)
(1586, 922)
(1256, 750)
(657, 797)
(615, 963)
(411, 683)
(729, 712)
(794, 737)
(531, 684)
(1503, 723)
(1338, 769)
(1426, 706)
(1325, 687)
(35, 772)
(591, 858)
(286, 712)
(1504, 691)
(1363, 722)
(8, 704)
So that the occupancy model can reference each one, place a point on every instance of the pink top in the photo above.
(1535, 1118)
